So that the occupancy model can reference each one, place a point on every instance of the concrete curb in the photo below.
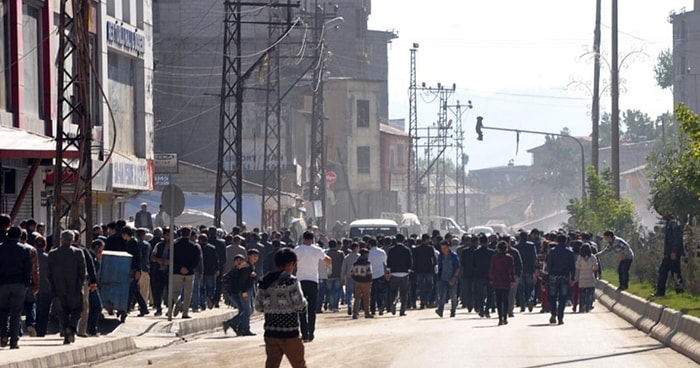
(651, 317)
(672, 328)
(79, 354)
(685, 339)
(122, 342)
(198, 325)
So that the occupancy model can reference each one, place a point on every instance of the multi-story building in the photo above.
(188, 38)
(120, 43)
(686, 64)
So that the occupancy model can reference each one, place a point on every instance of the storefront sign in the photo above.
(166, 163)
(137, 174)
(129, 40)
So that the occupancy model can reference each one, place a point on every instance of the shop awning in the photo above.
(18, 144)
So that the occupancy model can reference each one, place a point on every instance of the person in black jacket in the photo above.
(66, 273)
(186, 258)
(215, 239)
(673, 251)
(467, 273)
(15, 277)
(528, 255)
(561, 271)
(132, 247)
(210, 270)
(398, 266)
(239, 282)
(424, 261)
(482, 262)
(161, 257)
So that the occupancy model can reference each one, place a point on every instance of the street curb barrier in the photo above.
(651, 317)
(79, 355)
(672, 328)
(685, 338)
(632, 308)
(605, 296)
(666, 328)
(198, 325)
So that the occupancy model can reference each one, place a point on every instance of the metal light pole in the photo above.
(480, 126)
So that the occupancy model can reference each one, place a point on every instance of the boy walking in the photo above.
(281, 300)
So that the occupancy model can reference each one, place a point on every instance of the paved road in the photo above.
(422, 339)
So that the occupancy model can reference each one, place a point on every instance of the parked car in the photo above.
(481, 229)
(360, 228)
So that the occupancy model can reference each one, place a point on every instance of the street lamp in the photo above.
(479, 131)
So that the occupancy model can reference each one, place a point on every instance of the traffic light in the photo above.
(479, 125)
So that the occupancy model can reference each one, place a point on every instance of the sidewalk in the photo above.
(136, 333)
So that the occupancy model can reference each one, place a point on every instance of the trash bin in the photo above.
(115, 281)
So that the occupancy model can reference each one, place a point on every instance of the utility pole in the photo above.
(229, 173)
(459, 163)
(615, 92)
(595, 106)
(73, 125)
(317, 170)
(412, 203)
(272, 157)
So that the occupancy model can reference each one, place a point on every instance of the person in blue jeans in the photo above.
(210, 270)
(448, 269)
(561, 274)
(239, 282)
(334, 284)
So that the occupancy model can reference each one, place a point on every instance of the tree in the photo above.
(663, 70)
(638, 126)
(675, 170)
(600, 210)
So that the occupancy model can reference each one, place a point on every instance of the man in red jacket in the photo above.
(502, 278)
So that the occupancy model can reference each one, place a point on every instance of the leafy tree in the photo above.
(675, 169)
(663, 70)
(638, 126)
(669, 192)
(600, 210)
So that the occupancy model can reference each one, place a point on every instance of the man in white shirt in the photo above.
(377, 258)
(308, 257)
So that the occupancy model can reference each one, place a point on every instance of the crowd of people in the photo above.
(292, 280)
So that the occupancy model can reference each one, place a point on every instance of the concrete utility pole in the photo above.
(615, 92)
(73, 210)
(595, 106)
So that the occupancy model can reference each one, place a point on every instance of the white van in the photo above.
(374, 227)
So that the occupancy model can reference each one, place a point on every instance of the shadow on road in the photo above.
(572, 361)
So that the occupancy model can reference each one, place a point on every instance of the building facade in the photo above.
(686, 64)
(120, 44)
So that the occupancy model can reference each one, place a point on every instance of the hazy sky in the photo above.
(515, 60)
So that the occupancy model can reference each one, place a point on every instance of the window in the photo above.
(400, 152)
(111, 7)
(362, 113)
(363, 160)
(126, 11)
(4, 60)
(31, 59)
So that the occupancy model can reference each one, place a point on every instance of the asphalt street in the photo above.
(598, 339)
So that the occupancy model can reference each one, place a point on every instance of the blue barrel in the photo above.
(115, 281)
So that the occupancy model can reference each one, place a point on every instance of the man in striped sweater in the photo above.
(281, 300)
